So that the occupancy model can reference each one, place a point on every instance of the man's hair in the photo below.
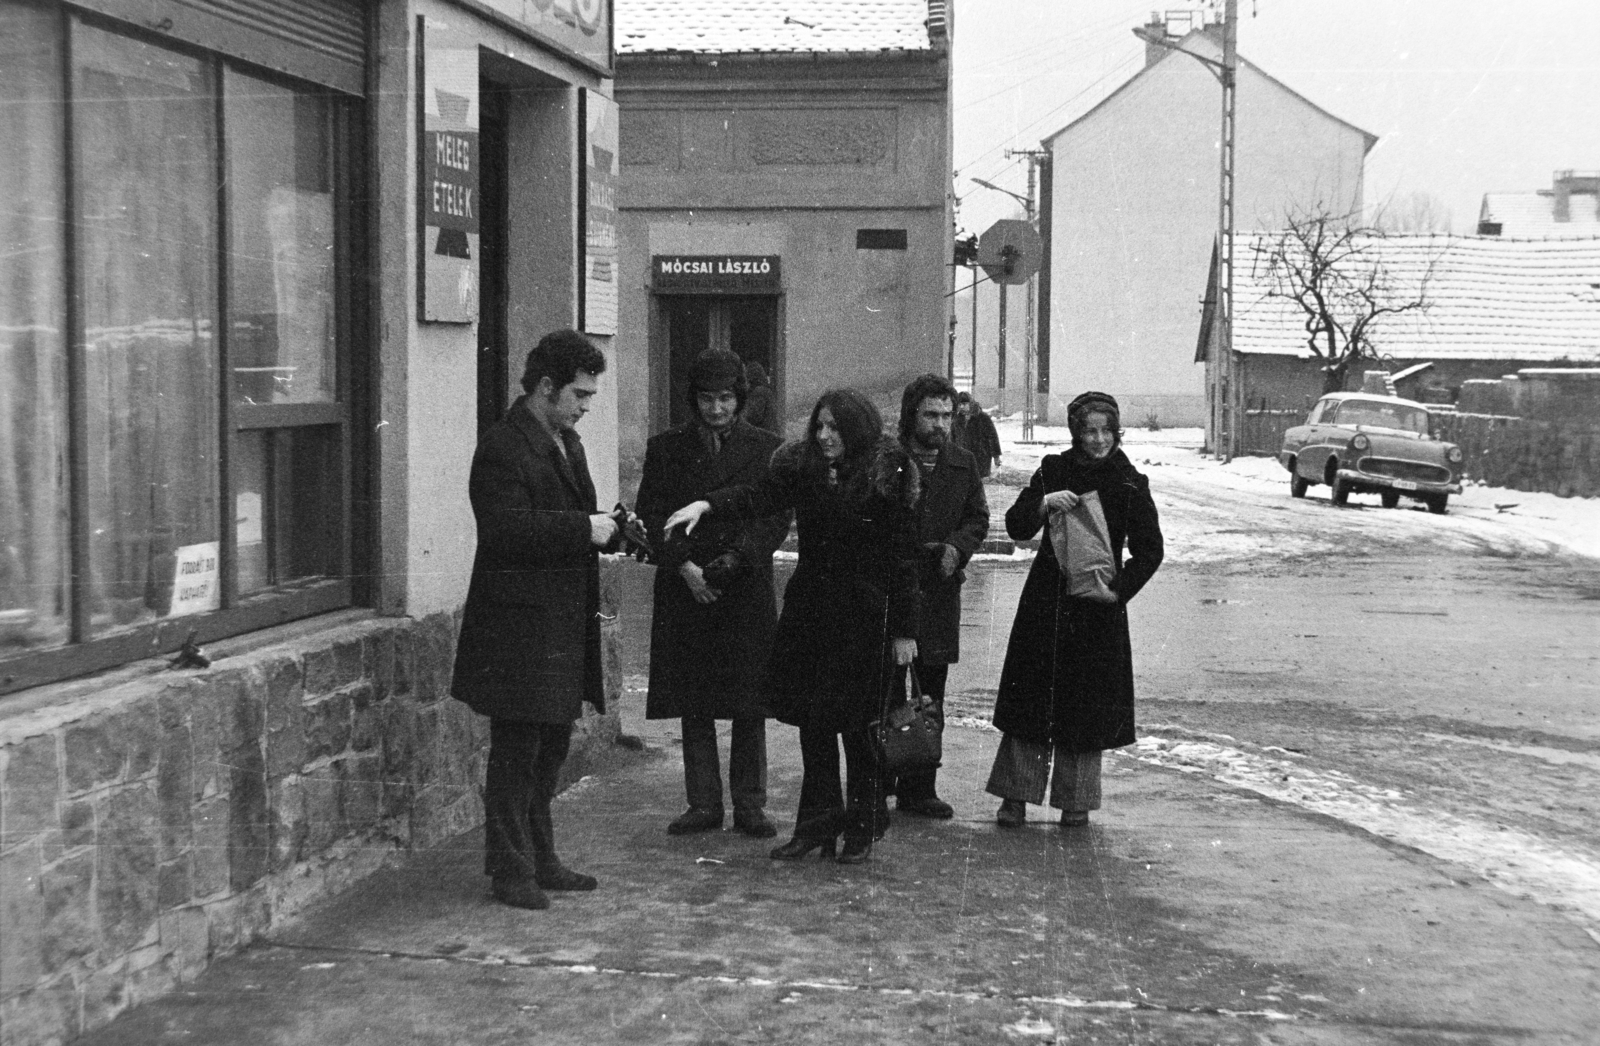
(559, 356)
(928, 386)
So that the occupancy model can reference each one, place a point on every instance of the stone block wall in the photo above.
(166, 819)
(1538, 429)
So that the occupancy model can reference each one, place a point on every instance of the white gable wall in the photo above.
(1135, 215)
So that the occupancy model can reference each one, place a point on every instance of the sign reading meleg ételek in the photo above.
(447, 265)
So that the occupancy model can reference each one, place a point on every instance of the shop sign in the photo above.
(746, 272)
(578, 28)
(447, 269)
(195, 587)
(600, 214)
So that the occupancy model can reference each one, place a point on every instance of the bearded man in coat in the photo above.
(529, 652)
(952, 522)
(714, 607)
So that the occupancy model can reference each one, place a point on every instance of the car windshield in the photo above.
(1383, 415)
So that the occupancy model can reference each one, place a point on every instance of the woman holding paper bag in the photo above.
(1067, 687)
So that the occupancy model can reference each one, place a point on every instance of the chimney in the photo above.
(1150, 32)
(1565, 183)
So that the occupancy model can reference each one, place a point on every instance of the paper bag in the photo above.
(1083, 548)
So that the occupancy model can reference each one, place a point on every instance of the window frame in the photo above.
(350, 131)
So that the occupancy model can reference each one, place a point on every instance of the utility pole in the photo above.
(1233, 391)
(1029, 360)
(1227, 395)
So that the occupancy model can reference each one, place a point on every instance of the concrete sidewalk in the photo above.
(1187, 913)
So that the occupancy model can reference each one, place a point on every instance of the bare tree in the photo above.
(1331, 267)
(1412, 212)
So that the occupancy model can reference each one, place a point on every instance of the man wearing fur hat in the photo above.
(714, 607)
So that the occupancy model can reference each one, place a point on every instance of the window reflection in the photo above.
(143, 129)
(280, 251)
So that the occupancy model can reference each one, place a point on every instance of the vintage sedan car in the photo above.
(1359, 443)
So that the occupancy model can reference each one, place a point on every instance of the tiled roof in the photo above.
(735, 26)
(1532, 214)
(1491, 298)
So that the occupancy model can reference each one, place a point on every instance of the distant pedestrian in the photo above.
(714, 607)
(529, 652)
(975, 433)
(849, 611)
(1067, 686)
(760, 403)
(952, 521)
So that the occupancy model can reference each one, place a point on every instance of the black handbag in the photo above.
(910, 734)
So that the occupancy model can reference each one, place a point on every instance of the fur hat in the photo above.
(717, 369)
(1102, 402)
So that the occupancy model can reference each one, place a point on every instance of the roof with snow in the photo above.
(748, 26)
(1532, 214)
(1490, 298)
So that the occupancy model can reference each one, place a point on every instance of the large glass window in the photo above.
(34, 556)
(173, 339)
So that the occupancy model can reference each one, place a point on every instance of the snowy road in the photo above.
(1433, 680)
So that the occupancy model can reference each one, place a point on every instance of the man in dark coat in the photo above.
(760, 403)
(714, 606)
(974, 430)
(529, 653)
(952, 521)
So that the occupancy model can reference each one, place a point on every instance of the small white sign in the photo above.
(195, 587)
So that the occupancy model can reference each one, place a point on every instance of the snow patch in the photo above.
(1515, 861)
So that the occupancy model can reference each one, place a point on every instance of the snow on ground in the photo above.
(1223, 508)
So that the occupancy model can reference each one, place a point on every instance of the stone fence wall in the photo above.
(165, 818)
(1538, 429)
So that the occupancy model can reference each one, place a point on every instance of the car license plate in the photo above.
(1404, 484)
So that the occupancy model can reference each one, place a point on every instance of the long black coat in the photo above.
(530, 634)
(1068, 675)
(952, 511)
(854, 587)
(706, 660)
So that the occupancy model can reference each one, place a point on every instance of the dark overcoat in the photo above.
(952, 511)
(853, 590)
(706, 659)
(976, 434)
(530, 633)
(1068, 675)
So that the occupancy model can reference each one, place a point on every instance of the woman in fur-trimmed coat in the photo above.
(849, 613)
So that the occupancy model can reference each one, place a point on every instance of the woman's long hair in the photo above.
(859, 424)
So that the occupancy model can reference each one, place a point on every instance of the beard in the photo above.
(930, 440)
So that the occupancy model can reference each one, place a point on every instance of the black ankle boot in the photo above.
(799, 846)
(857, 848)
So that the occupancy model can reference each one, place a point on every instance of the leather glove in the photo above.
(946, 558)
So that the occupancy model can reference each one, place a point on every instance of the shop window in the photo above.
(174, 339)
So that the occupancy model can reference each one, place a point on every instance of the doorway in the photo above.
(494, 343)
(746, 325)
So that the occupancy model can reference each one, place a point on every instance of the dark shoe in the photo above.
(856, 850)
(799, 846)
(1012, 813)
(519, 893)
(565, 879)
(754, 823)
(932, 806)
(1074, 818)
(695, 820)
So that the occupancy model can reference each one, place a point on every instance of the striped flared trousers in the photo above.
(1022, 768)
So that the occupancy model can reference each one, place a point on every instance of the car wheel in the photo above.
(1298, 485)
(1390, 498)
(1437, 502)
(1341, 491)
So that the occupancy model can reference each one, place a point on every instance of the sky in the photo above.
(1466, 97)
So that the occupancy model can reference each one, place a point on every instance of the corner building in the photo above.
(269, 266)
(785, 194)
